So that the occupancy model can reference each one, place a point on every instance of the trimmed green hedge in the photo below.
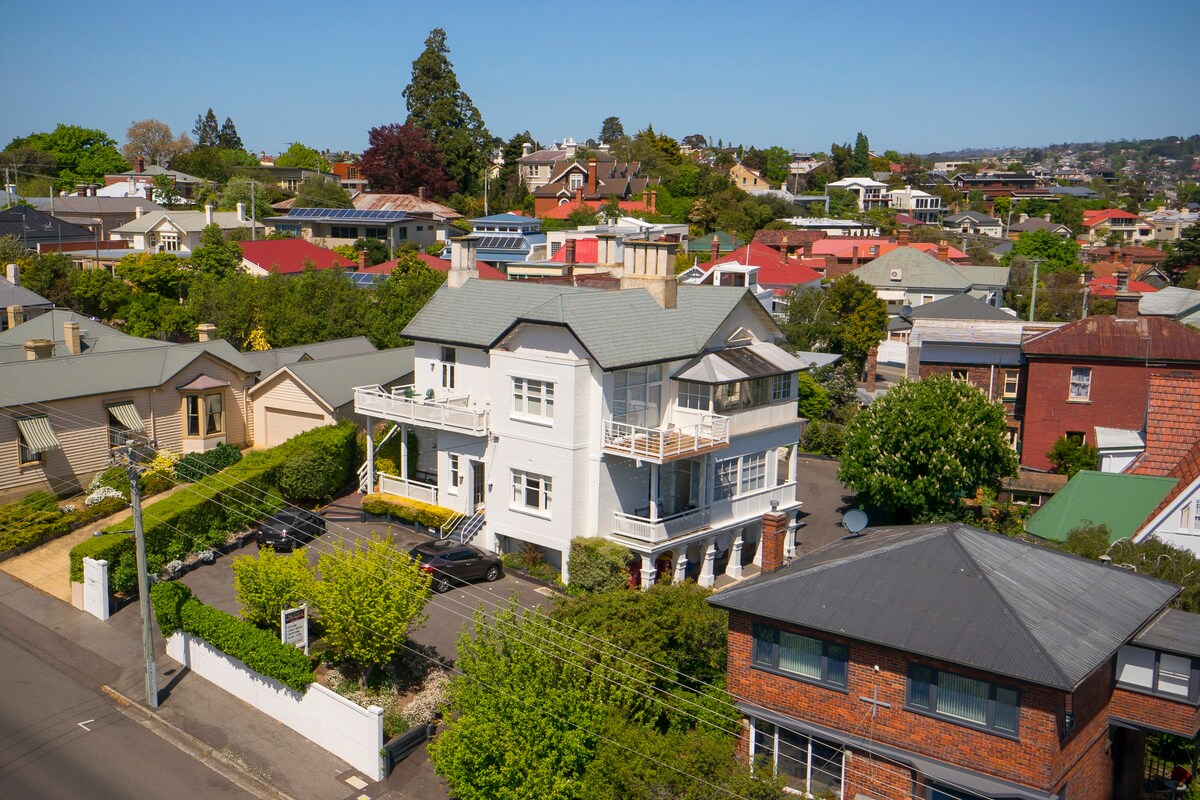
(177, 610)
(197, 466)
(22, 523)
(202, 516)
(406, 510)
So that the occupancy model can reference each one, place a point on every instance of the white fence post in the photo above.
(95, 588)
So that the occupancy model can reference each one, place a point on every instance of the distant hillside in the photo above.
(1176, 147)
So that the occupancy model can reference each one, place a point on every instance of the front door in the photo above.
(478, 489)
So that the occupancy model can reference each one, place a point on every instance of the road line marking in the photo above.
(84, 724)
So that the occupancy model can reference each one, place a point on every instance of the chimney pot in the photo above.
(943, 251)
(149, 192)
(902, 237)
(421, 193)
(140, 163)
(37, 349)
(206, 332)
(71, 338)
(714, 249)
(13, 273)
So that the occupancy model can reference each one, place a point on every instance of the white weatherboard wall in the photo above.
(349, 731)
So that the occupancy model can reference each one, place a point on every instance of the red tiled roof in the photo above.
(1137, 254)
(288, 256)
(563, 211)
(586, 252)
(1093, 218)
(844, 247)
(1187, 471)
(1172, 422)
(774, 268)
(1107, 287)
(1101, 337)
(488, 273)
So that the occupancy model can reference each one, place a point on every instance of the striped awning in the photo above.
(37, 433)
(127, 415)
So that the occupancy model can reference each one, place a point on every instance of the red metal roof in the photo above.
(1093, 218)
(774, 268)
(1172, 422)
(1102, 337)
(287, 256)
(586, 252)
(1107, 287)
(488, 273)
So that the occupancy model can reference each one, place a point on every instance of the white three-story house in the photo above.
(662, 416)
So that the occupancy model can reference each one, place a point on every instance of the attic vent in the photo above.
(896, 275)
(740, 336)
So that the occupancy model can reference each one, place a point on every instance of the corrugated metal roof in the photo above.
(965, 596)
(917, 270)
(1170, 301)
(1175, 631)
(1118, 439)
(1117, 500)
(619, 328)
(981, 332)
(334, 379)
(1144, 338)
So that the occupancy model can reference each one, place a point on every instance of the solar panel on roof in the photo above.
(369, 215)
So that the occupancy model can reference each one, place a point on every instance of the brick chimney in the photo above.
(1127, 260)
(569, 247)
(579, 197)
(714, 250)
(774, 537)
(206, 332)
(806, 248)
(364, 260)
(591, 184)
(149, 192)
(653, 201)
(139, 164)
(463, 262)
(871, 368)
(1122, 280)
(1088, 276)
(854, 260)
(13, 273)
(651, 266)
(902, 237)
(421, 193)
(16, 315)
(943, 251)
(71, 338)
(37, 349)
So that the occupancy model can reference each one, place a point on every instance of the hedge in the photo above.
(197, 466)
(406, 510)
(22, 523)
(203, 515)
(597, 564)
(177, 610)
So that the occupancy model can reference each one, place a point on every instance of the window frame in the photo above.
(525, 482)
(758, 731)
(772, 636)
(1084, 380)
(540, 391)
(115, 426)
(449, 367)
(694, 396)
(198, 407)
(783, 387)
(454, 471)
(344, 232)
(727, 485)
(25, 455)
(1193, 694)
(990, 712)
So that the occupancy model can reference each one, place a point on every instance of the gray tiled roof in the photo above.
(958, 594)
(917, 269)
(619, 328)
(975, 216)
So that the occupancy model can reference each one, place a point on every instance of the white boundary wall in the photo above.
(349, 731)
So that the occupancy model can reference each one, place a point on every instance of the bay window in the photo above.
(203, 415)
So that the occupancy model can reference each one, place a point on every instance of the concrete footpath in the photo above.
(254, 751)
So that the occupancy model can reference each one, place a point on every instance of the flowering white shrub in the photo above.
(429, 702)
(101, 494)
(69, 508)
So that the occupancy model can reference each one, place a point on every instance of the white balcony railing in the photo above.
(719, 514)
(404, 404)
(666, 444)
(413, 490)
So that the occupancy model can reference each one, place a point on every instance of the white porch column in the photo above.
(649, 573)
(709, 554)
(757, 547)
(680, 565)
(403, 434)
(789, 542)
(734, 568)
(654, 468)
(370, 455)
(793, 463)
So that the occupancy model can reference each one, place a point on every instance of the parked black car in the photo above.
(451, 562)
(290, 527)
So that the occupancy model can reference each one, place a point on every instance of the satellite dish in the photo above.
(906, 311)
(855, 520)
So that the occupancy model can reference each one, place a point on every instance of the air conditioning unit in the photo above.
(896, 275)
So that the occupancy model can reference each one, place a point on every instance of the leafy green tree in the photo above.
(157, 273)
(49, 274)
(255, 195)
(302, 156)
(597, 564)
(583, 215)
(842, 160)
(1151, 556)
(98, 294)
(1054, 252)
(13, 250)
(842, 203)
(318, 192)
(216, 255)
(861, 317)
(917, 450)
(152, 316)
(1186, 255)
(813, 401)
(268, 583)
(216, 164)
(1069, 455)
(399, 298)
(228, 137)
(861, 160)
(79, 155)
(368, 598)
(164, 189)
(153, 140)
(438, 104)
(809, 324)
(206, 132)
(611, 130)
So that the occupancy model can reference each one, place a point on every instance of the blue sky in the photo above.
(923, 77)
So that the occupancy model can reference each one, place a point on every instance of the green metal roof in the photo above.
(703, 244)
(917, 270)
(1122, 502)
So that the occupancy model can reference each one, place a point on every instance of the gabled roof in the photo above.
(1170, 301)
(486, 271)
(958, 594)
(287, 256)
(1119, 501)
(1153, 338)
(90, 206)
(1186, 473)
(155, 169)
(267, 361)
(1097, 217)
(1172, 422)
(1036, 224)
(28, 224)
(619, 328)
(379, 201)
(333, 379)
(1107, 287)
(16, 295)
(977, 217)
(917, 270)
(186, 221)
(845, 247)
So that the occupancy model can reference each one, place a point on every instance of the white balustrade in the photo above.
(404, 404)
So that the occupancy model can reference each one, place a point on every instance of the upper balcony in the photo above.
(662, 445)
(405, 404)
(719, 514)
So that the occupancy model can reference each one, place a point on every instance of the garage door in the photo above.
(283, 424)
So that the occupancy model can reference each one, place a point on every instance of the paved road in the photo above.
(45, 753)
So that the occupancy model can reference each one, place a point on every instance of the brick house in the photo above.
(946, 663)
(1096, 372)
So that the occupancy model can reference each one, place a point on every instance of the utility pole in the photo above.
(253, 212)
(127, 459)
(1033, 300)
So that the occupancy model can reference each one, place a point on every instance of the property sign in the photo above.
(293, 626)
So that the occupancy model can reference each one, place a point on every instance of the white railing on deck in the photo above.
(413, 490)
(652, 531)
(719, 514)
(660, 443)
(405, 404)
